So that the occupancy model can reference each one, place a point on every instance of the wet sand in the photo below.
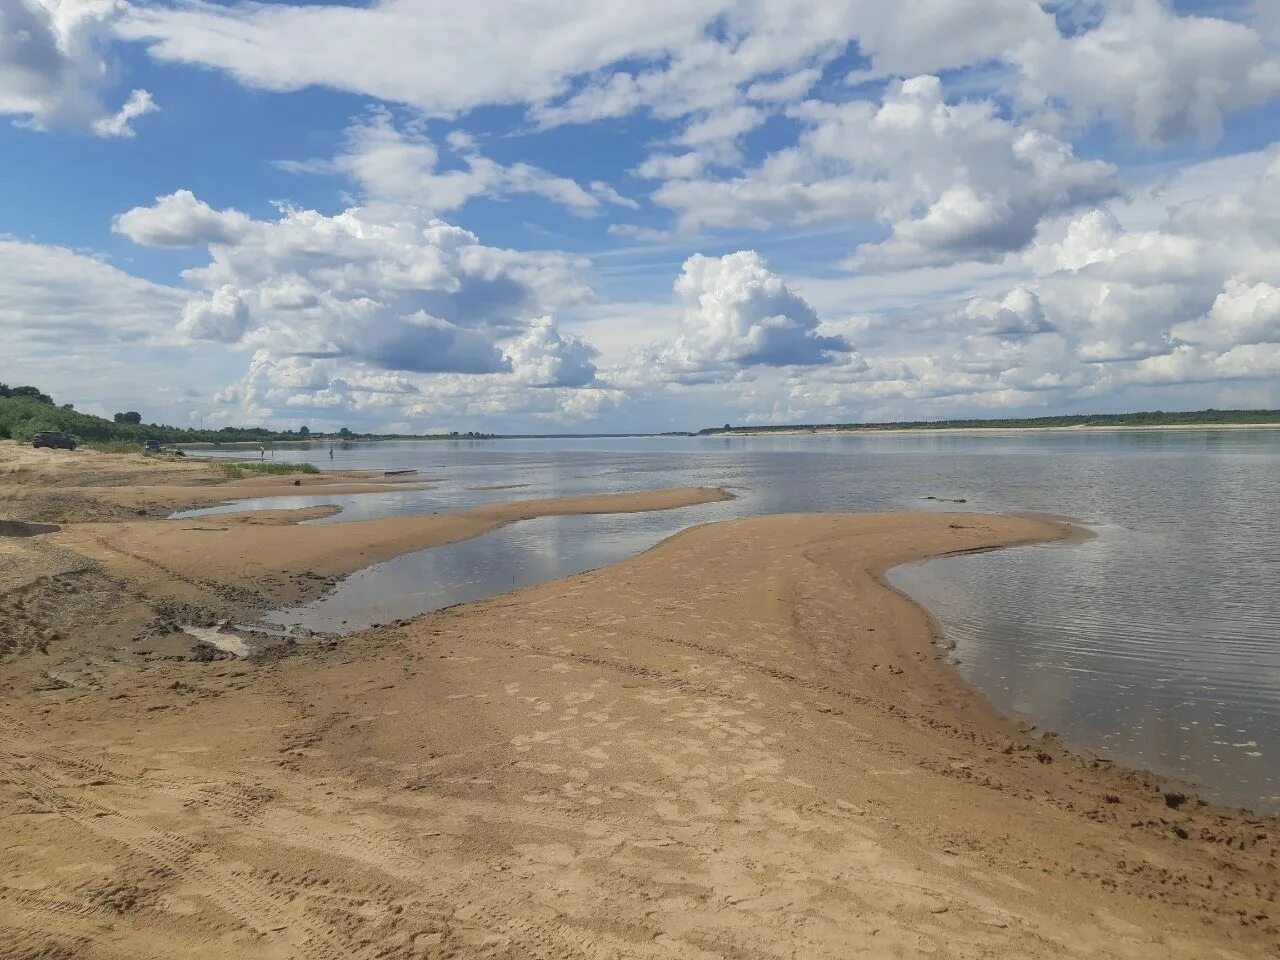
(740, 743)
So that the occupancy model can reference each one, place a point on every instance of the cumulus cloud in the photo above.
(1186, 364)
(1163, 299)
(223, 317)
(544, 357)
(54, 65)
(1199, 276)
(1153, 73)
(342, 392)
(378, 311)
(179, 219)
(1097, 245)
(739, 314)
(1017, 314)
(951, 181)
(1244, 313)
(393, 289)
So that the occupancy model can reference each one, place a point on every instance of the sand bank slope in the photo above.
(738, 744)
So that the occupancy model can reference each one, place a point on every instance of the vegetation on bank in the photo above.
(1151, 418)
(236, 471)
(109, 446)
(28, 410)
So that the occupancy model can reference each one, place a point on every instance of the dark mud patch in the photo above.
(23, 528)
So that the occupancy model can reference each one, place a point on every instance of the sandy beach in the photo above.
(738, 744)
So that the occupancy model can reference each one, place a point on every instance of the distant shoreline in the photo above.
(1075, 428)
(745, 432)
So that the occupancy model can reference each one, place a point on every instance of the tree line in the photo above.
(1148, 418)
(28, 410)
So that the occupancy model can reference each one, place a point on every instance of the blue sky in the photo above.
(531, 216)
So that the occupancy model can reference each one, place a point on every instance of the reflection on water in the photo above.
(518, 555)
(1124, 645)
(1157, 643)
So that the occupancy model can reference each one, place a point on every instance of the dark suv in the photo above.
(55, 441)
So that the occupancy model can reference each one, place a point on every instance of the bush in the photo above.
(114, 446)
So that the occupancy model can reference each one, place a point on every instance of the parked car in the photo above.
(151, 446)
(55, 441)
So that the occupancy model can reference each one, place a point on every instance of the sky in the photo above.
(548, 216)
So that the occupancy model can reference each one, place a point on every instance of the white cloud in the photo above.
(181, 220)
(1098, 245)
(610, 195)
(1244, 313)
(1017, 314)
(1155, 74)
(544, 357)
(1163, 299)
(952, 181)
(58, 298)
(739, 314)
(337, 392)
(636, 232)
(1143, 67)
(224, 317)
(119, 123)
(381, 288)
(1132, 294)
(403, 166)
(528, 52)
(1186, 364)
(54, 65)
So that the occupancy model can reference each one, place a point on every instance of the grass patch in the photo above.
(237, 471)
(113, 446)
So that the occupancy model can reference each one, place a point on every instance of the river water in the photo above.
(1156, 643)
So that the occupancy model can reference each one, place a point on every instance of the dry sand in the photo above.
(69, 486)
(738, 744)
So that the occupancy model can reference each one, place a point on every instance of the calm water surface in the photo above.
(1157, 643)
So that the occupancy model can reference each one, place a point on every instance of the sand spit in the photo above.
(739, 744)
(67, 486)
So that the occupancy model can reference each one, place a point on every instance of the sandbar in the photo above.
(740, 743)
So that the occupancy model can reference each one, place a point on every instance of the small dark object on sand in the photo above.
(1174, 800)
(297, 483)
(397, 473)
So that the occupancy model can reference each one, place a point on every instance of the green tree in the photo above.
(344, 433)
(304, 431)
(130, 416)
(32, 393)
